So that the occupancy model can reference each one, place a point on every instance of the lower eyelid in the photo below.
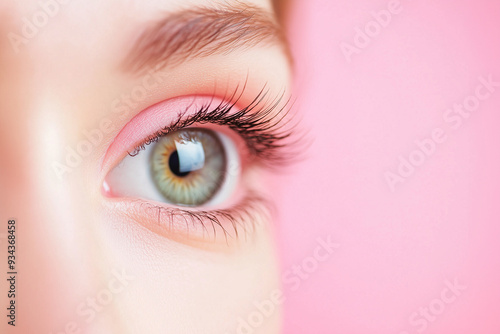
(185, 225)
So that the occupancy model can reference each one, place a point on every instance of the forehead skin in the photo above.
(60, 83)
(84, 44)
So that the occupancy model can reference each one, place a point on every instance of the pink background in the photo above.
(397, 249)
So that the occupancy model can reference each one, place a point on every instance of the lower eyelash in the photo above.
(242, 217)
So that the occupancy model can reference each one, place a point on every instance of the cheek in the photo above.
(174, 283)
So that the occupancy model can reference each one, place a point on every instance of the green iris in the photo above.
(188, 166)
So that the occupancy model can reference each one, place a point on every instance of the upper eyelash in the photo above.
(261, 129)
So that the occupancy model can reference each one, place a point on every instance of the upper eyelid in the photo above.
(254, 122)
(156, 118)
(136, 129)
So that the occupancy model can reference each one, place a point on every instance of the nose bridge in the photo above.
(14, 105)
(50, 253)
(50, 258)
(17, 199)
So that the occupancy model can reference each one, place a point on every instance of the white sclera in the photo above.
(232, 172)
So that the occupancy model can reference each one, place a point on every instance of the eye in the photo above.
(194, 167)
(188, 167)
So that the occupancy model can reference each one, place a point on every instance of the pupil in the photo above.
(173, 163)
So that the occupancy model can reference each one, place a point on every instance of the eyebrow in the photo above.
(202, 32)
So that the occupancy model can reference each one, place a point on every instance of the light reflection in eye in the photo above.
(188, 166)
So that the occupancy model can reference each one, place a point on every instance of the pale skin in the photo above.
(72, 243)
